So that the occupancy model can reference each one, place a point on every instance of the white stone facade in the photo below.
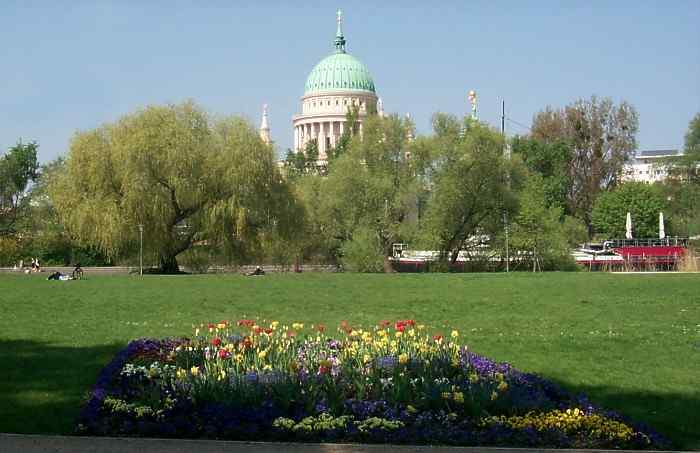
(323, 118)
(648, 166)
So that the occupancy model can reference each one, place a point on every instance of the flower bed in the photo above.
(392, 383)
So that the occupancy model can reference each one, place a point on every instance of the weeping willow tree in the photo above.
(182, 175)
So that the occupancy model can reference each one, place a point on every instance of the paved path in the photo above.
(10, 443)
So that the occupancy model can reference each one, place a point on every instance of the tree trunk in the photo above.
(168, 264)
(388, 268)
(454, 256)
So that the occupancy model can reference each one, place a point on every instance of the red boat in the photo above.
(634, 254)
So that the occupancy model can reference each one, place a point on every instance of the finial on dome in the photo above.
(339, 39)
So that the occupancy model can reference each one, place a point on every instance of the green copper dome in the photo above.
(340, 71)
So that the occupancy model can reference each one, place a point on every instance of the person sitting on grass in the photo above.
(258, 271)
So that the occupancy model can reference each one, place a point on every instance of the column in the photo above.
(296, 138)
(342, 124)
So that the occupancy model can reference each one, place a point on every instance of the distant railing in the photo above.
(646, 242)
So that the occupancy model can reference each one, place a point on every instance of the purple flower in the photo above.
(387, 363)
(251, 378)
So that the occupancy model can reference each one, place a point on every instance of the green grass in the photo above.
(632, 342)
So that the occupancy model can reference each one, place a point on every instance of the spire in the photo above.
(339, 39)
(264, 127)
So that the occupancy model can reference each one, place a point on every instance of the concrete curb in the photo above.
(72, 444)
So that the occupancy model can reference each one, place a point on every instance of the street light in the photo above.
(141, 249)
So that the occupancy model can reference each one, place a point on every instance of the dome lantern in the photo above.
(339, 38)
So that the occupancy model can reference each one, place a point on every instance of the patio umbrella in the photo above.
(628, 226)
(662, 232)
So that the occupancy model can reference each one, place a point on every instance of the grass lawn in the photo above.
(632, 342)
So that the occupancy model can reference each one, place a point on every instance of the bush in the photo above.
(363, 253)
(196, 259)
(10, 252)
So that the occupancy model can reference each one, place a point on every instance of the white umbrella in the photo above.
(628, 226)
(662, 232)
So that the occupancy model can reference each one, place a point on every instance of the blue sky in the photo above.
(73, 65)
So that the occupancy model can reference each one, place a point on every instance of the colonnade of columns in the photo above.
(326, 134)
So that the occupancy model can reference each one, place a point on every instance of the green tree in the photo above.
(686, 168)
(372, 186)
(551, 161)
(692, 137)
(44, 236)
(182, 176)
(643, 201)
(18, 168)
(684, 205)
(537, 229)
(601, 137)
(682, 188)
(350, 128)
(468, 177)
(319, 236)
(300, 163)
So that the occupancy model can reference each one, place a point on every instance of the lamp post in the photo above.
(506, 153)
(141, 249)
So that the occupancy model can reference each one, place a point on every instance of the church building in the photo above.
(335, 84)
